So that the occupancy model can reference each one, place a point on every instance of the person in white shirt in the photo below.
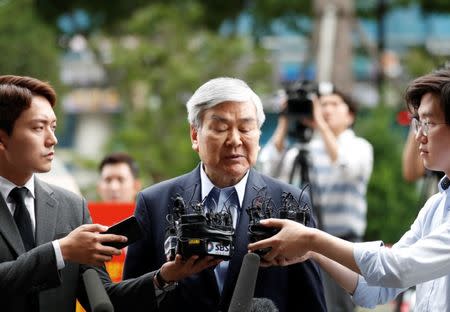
(339, 165)
(422, 256)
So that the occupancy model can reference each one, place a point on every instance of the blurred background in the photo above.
(124, 70)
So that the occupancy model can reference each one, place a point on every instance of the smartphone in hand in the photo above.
(128, 227)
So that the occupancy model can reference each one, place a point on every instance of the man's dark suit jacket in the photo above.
(30, 281)
(294, 288)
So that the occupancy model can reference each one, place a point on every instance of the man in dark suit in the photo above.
(225, 118)
(45, 243)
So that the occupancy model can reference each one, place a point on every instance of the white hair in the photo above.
(219, 90)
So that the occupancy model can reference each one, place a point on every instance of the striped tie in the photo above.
(227, 198)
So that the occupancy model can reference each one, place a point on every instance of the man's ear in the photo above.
(352, 119)
(194, 135)
(137, 185)
(3, 139)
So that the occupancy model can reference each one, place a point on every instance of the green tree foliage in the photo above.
(392, 203)
(28, 46)
(428, 6)
(106, 14)
(101, 13)
(158, 59)
(418, 61)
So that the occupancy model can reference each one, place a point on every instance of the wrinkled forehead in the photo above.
(231, 110)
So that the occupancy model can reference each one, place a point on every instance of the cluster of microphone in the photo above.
(262, 207)
(196, 230)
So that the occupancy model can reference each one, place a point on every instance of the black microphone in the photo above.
(98, 298)
(263, 305)
(245, 285)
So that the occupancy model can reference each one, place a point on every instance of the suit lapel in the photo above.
(9, 229)
(189, 188)
(46, 214)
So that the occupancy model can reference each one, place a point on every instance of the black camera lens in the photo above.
(299, 98)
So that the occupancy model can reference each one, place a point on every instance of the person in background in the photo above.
(422, 256)
(46, 239)
(339, 168)
(225, 118)
(119, 178)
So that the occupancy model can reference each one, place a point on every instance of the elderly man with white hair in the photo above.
(225, 118)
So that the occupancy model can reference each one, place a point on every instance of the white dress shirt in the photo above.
(207, 186)
(421, 257)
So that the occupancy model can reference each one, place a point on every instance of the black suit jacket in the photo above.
(294, 288)
(30, 281)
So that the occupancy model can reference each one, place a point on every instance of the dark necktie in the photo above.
(22, 217)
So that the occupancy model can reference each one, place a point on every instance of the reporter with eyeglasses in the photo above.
(412, 166)
(372, 273)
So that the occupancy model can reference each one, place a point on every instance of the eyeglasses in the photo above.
(423, 125)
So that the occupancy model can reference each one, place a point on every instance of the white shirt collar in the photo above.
(207, 185)
(6, 187)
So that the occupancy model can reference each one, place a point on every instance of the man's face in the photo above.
(336, 113)
(30, 148)
(117, 184)
(434, 148)
(227, 142)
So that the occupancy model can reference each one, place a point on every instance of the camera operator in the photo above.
(339, 165)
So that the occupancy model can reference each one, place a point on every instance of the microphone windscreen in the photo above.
(98, 298)
(245, 285)
(263, 305)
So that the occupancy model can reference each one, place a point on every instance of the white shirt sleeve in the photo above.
(416, 258)
(60, 264)
(370, 296)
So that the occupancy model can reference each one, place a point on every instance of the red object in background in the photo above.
(109, 214)
(404, 118)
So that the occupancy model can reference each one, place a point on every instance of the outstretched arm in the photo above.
(294, 240)
(345, 277)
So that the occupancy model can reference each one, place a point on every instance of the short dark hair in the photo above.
(348, 100)
(119, 158)
(16, 94)
(437, 83)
